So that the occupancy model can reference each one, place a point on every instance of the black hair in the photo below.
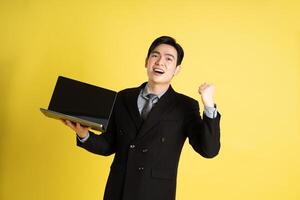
(170, 41)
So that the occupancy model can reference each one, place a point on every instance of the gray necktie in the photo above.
(152, 99)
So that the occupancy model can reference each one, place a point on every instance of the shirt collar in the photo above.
(145, 92)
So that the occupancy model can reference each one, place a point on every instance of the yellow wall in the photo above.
(250, 49)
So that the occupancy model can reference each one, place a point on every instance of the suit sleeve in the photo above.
(203, 134)
(103, 144)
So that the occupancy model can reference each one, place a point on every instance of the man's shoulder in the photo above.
(186, 103)
(184, 99)
(129, 90)
(132, 89)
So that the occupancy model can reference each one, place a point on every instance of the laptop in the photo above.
(80, 102)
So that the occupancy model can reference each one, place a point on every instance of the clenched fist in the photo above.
(207, 91)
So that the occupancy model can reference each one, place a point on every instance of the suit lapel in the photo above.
(166, 103)
(131, 103)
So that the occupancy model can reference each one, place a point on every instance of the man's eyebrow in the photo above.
(168, 54)
(155, 52)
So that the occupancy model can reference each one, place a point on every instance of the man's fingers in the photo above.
(205, 86)
(70, 124)
(75, 126)
(78, 125)
(63, 121)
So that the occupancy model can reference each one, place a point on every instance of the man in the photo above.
(148, 127)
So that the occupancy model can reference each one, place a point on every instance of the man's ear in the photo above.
(146, 62)
(177, 70)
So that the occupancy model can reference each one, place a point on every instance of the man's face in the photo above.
(161, 64)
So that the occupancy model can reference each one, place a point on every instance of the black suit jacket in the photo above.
(147, 153)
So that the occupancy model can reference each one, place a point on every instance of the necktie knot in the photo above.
(152, 98)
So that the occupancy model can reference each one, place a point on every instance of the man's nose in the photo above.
(159, 61)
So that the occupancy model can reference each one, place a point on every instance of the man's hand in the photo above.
(81, 131)
(207, 91)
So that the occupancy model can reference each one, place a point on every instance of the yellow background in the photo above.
(250, 49)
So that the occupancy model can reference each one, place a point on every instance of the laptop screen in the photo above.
(76, 98)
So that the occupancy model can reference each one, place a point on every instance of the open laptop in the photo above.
(80, 102)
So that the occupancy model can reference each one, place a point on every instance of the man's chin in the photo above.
(159, 81)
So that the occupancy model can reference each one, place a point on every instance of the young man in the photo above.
(148, 128)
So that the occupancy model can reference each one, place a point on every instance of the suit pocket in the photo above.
(160, 173)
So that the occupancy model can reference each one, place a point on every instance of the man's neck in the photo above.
(157, 88)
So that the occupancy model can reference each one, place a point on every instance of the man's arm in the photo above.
(102, 144)
(204, 134)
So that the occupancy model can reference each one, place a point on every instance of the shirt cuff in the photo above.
(83, 139)
(211, 112)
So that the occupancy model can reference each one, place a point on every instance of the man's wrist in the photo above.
(210, 111)
(84, 138)
(208, 101)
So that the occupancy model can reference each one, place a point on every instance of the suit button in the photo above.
(121, 132)
(163, 139)
(141, 168)
(145, 150)
(132, 146)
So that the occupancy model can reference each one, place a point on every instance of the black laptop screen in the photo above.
(73, 97)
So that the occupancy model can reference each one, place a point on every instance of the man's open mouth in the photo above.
(158, 71)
